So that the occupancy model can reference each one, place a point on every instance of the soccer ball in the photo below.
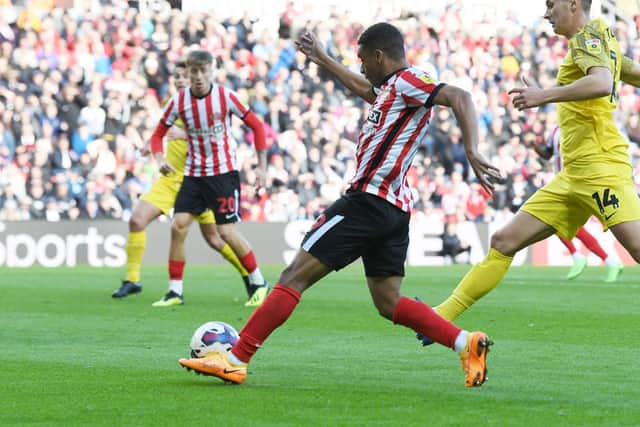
(213, 336)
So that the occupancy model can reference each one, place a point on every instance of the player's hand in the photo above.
(486, 173)
(166, 168)
(145, 151)
(529, 96)
(309, 44)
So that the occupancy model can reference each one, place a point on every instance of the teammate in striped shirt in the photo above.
(160, 200)
(211, 177)
(371, 220)
(614, 267)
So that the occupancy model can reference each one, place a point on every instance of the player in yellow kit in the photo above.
(597, 175)
(160, 200)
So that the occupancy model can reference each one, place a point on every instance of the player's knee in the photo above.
(214, 240)
(500, 241)
(137, 223)
(385, 310)
(225, 232)
(292, 278)
(178, 229)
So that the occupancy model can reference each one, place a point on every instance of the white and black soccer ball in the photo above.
(213, 336)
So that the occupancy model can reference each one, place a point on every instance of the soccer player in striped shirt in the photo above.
(160, 200)
(211, 178)
(371, 221)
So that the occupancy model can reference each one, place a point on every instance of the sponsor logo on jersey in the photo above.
(374, 117)
(428, 80)
(594, 46)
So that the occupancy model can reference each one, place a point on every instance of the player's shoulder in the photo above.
(592, 36)
(175, 97)
(414, 76)
(217, 88)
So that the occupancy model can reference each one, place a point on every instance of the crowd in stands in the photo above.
(80, 94)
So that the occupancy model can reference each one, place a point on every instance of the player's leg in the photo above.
(523, 230)
(384, 260)
(334, 241)
(627, 234)
(579, 261)
(258, 286)
(303, 272)
(472, 347)
(142, 215)
(223, 198)
(614, 266)
(179, 230)
(210, 233)
(551, 209)
(188, 203)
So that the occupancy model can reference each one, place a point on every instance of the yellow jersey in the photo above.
(590, 138)
(176, 154)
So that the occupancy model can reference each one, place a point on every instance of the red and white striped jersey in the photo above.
(395, 126)
(554, 144)
(207, 122)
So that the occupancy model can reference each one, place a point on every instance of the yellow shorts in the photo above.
(163, 194)
(566, 203)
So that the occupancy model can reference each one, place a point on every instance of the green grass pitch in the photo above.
(566, 353)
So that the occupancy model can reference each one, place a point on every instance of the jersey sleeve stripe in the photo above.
(168, 112)
(239, 105)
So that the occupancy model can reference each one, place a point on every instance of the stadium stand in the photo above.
(79, 97)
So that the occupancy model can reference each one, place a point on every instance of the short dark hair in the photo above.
(199, 57)
(181, 63)
(385, 37)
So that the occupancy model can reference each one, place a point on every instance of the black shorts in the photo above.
(361, 225)
(220, 193)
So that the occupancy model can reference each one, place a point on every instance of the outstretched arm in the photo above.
(462, 105)
(595, 84)
(311, 46)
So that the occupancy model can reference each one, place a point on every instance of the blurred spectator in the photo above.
(80, 94)
(452, 246)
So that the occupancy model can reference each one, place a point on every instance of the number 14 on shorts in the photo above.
(607, 199)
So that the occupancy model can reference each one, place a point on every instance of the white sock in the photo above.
(256, 277)
(234, 360)
(611, 261)
(577, 256)
(175, 286)
(461, 341)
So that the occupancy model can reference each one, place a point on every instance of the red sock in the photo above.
(591, 243)
(568, 244)
(175, 269)
(249, 262)
(273, 312)
(423, 319)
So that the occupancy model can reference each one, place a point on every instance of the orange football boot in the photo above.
(474, 358)
(218, 365)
